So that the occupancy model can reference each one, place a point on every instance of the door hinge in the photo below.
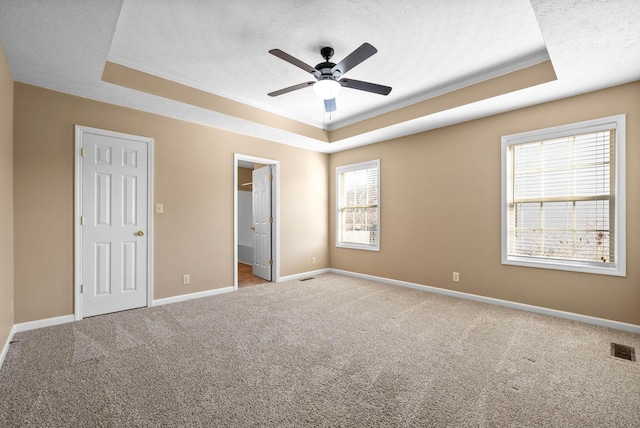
(270, 219)
(81, 288)
(271, 178)
(81, 152)
(81, 220)
(270, 262)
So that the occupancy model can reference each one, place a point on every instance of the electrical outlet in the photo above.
(186, 279)
(313, 260)
(456, 277)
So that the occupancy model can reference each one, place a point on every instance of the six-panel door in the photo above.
(114, 230)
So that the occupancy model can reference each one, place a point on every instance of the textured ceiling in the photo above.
(224, 49)
(425, 49)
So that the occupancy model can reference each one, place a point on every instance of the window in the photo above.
(563, 197)
(358, 207)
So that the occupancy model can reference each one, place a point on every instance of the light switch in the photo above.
(159, 208)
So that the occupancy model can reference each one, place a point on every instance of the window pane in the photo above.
(358, 205)
(527, 242)
(593, 215)
(359, 225)
(562, 193)
(571, 230)
(528, 216)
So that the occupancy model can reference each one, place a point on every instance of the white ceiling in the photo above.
(425, 48)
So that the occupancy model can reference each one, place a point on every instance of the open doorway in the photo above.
(256, 220)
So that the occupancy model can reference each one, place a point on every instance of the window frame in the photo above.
(618, 267)
(349, 168)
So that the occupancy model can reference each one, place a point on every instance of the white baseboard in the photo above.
(32, 325)
(5, 348)
(506, 303)
(303, 275)
(183, 297)
(47, 322)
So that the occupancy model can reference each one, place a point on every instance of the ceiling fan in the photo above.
(328, 75)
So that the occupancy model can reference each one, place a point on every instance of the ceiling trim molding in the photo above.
(515, 64)
(511, 82)
(225, 94)
(524, 78)
(121, 75)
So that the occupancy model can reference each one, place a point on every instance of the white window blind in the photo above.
(562, 202)
(358, 208)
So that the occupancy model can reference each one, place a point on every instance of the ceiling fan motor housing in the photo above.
(325, 71)
(325, 67)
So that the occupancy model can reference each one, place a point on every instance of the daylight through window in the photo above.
(358, 208)
(562, 197)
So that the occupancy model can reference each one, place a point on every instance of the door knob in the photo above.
(140, 233)
(252, 228)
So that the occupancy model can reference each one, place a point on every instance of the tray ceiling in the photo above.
(208, 62)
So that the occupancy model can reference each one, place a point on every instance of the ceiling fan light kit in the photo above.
(326, 88)
(328, 75)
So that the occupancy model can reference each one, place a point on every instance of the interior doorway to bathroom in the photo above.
(256, 220)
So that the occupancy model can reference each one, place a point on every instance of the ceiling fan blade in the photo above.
(354, 58)
(330, 105)
(290, 88)
(365, 86)
(293, 60)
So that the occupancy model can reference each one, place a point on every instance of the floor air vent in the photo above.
(623, 351)
(306, 279)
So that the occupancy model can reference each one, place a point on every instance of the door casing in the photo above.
(275, 207)
(79, 131)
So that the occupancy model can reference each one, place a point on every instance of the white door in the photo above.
(262, 221)
(113, 222)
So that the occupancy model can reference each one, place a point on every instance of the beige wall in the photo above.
(451, 224)
(440, 211)
(193, 179)
(6, 199)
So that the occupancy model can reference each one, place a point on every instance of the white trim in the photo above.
(619, 268)
(77, 276)
(304, 275)
(525, 61)
(5, 348)
(50, 322)
(77, 254)
(275, 198)
(225, 94)
(150, 217)
(32, 325)
(184, 297)
(348, 168)
(633, 328)
(47, 322)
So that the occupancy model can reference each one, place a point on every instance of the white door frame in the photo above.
(77, 277)
(275, 206)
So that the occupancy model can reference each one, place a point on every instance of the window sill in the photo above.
(612, 270)
(358, 247)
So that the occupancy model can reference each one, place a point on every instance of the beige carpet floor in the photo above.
(332, 351)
